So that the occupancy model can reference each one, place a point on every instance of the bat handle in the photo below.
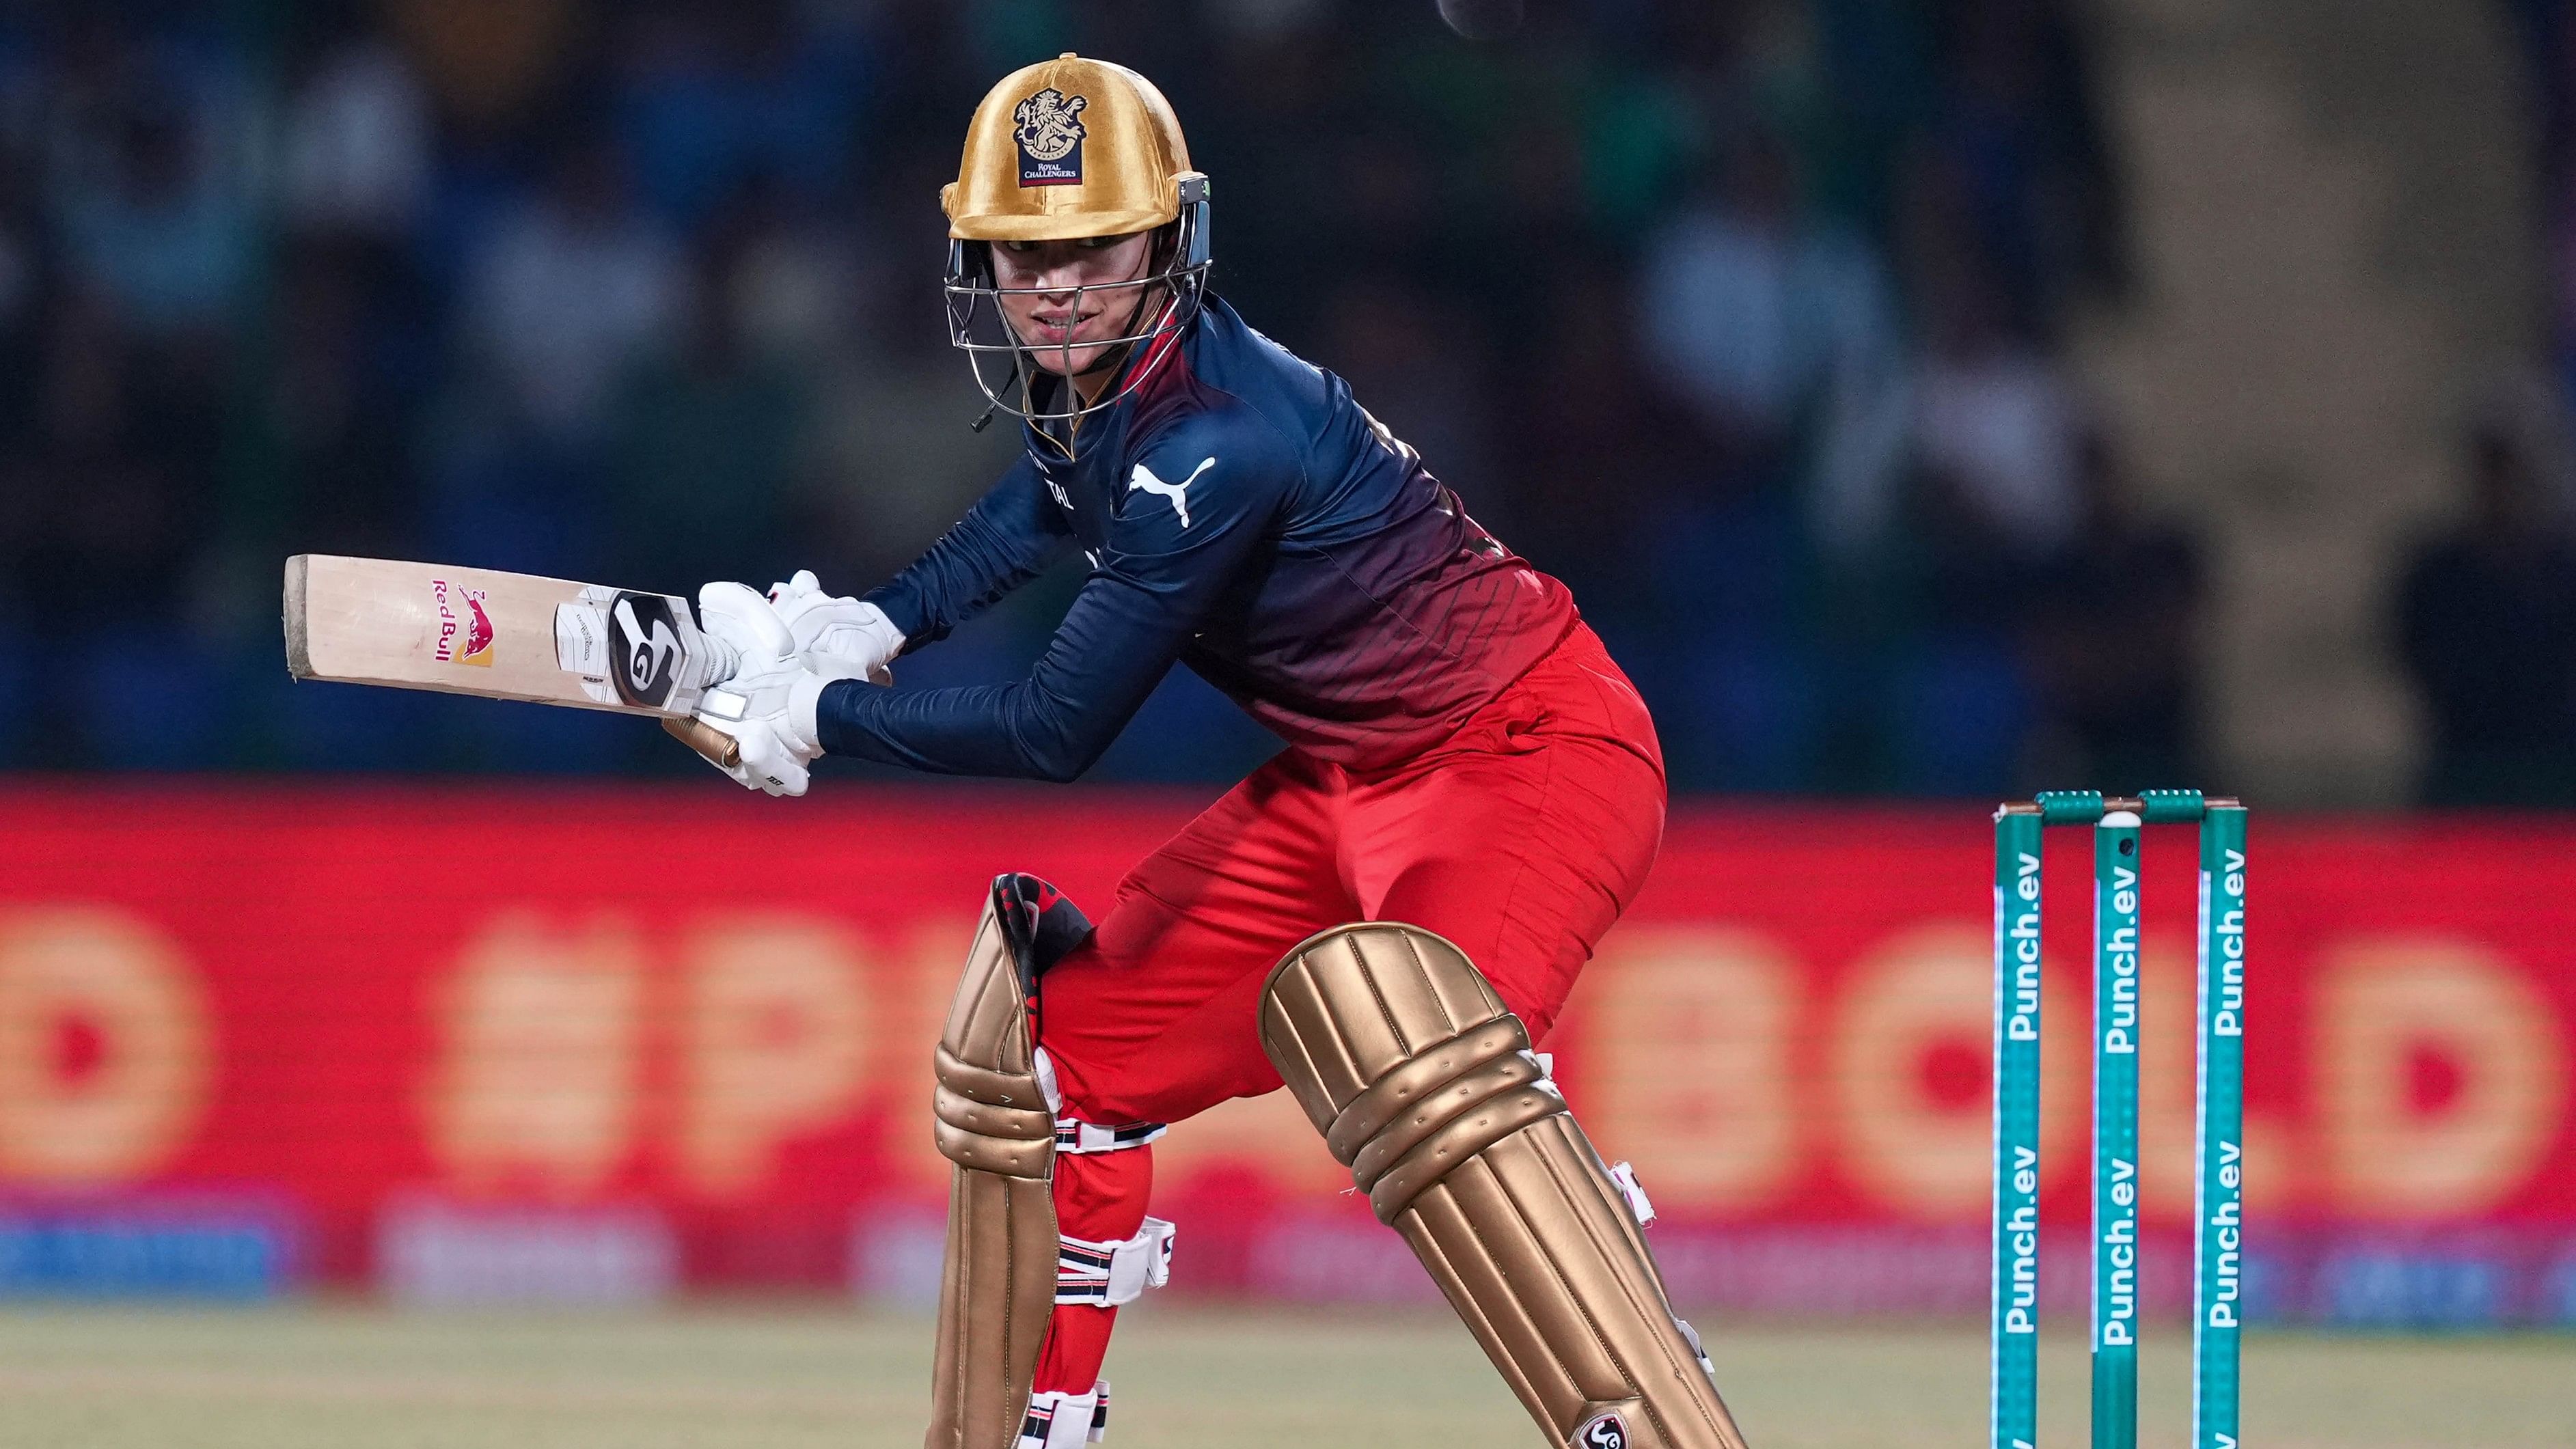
(707, 740)
(723, 661)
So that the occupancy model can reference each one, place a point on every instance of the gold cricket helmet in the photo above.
(1066, 149)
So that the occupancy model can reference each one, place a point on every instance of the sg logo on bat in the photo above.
(645, 645)
(1608, 1431)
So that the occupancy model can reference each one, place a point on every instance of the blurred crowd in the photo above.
(2485, 616)
(1746, 319)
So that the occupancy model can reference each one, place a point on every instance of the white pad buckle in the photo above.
(1639, 1206)
(1066, 1421)
(1047, 1087)
(1690, 1335)
(1546, 1064)
(1119, 1270)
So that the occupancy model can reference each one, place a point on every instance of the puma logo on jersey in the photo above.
(1179, 492)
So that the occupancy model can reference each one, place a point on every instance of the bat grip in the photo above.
(713, 743)
(723, 661)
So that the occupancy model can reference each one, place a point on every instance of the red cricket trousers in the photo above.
(1520, 838)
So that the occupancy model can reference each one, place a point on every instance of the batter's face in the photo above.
(1063, 329)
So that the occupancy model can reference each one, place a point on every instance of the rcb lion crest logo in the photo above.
(1048, 128)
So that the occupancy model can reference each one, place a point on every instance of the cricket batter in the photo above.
(1385, 916)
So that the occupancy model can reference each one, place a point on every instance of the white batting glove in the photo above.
(768, 706)
(837, 632)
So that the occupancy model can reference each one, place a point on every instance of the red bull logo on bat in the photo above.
(466, 637)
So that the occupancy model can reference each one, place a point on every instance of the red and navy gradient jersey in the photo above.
(1241, 515)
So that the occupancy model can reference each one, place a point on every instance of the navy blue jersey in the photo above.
(1242, 515)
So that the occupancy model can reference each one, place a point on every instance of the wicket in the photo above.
(2219, 1111)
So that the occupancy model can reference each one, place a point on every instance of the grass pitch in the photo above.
(1188, 1377)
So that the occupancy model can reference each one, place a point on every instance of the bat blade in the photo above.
(501, 635)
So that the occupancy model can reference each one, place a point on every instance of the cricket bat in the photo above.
(507, 636)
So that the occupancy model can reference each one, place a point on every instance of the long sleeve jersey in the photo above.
(1242, 515)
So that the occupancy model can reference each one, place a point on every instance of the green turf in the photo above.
(1188, 1378)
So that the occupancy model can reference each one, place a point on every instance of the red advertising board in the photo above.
(468, 1039)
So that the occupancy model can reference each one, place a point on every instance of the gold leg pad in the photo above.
(1422, 1084)
(997, 1288)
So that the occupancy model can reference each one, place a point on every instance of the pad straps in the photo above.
(1072, 1134)
(1081, 1137)
(1108, 1273)
(1066, 1421)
